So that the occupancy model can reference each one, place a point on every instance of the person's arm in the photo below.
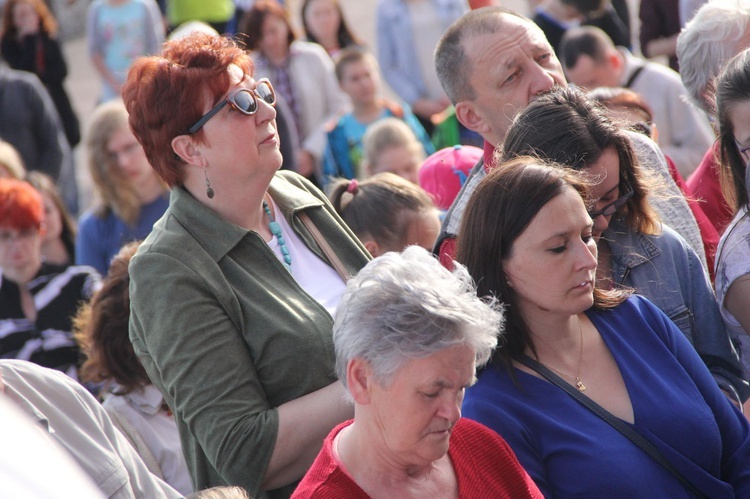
(153, 25)
(189, 342)
(710, 337)
(684, 132)
(96, 45)
(481, 406)
(52, 145)
(666, 46)
(336, 102)
(89, 250)
(390, 42)
(303, 425)
(734, 428)
(418, 130)
(55, 69)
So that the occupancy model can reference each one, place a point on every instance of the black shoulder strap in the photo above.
(613, 421)
(634, 76)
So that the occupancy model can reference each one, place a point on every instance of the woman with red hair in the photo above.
(37, 299)
(231, 294)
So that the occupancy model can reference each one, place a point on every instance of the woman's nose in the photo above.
(601, 223)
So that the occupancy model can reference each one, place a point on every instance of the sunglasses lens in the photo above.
(265, 91)
(245, 102)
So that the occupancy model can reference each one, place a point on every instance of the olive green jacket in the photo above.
(226, 333)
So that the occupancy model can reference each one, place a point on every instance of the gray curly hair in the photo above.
(404, 306)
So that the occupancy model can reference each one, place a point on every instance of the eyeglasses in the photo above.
(743, 150)
(7, 237)
(244, 100)
(612, 207)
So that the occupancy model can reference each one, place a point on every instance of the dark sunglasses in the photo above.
(244, 100)
(611, 208)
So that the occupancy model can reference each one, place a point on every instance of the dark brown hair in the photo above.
(251, 24)
(732, 87)
(567, 127)
(344, 35)
(498, 212)
(101, 329)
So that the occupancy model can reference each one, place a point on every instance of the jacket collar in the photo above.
(218, 236)
(629, 248)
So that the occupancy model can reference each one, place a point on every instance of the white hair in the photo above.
(404, 306)
(706, 43)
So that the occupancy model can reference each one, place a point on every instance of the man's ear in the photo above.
(466, 114)
(187, 150)
(616, 60)
(359, 380)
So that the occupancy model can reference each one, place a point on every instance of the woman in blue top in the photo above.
(527, 238)
(130, 195)
(635, 250)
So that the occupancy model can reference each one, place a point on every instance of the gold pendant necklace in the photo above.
(577, 378)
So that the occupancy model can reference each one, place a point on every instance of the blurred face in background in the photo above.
(275, 41)
(322, 19)
(52, 219)
(361, 80)
(25, 19)
(401, 160)
(127, 155)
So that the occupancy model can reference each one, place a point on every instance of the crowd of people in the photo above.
(521, 272)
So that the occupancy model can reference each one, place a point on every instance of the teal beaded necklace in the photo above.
(275, 228)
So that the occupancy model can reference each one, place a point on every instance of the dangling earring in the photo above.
(209, 189)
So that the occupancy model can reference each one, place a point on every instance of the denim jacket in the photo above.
(396, 53)
(666, 270)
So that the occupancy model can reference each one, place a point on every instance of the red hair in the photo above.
(21, 206)
(167, 93)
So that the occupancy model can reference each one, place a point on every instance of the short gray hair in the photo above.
(451, 64)
(706, 43)
(405, 306)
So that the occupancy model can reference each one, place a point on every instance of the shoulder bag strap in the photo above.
(633, 76)
(327, 250)
(613, 421)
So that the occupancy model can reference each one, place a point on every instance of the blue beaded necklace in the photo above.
(275, 228)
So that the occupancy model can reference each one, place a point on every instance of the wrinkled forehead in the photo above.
(506, 39)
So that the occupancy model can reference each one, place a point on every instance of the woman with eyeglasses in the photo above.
(233, 291)
(733, 253)
(38, 299)
(635, 250)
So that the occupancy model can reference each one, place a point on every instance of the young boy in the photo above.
(359, 76)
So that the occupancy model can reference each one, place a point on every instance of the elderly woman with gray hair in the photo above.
(409, 335)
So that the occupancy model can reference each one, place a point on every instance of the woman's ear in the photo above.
(359, 380)
(371, 246)
(184, 147)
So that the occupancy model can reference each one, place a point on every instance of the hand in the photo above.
(425, 108)
(305, 163)
(661, 46)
